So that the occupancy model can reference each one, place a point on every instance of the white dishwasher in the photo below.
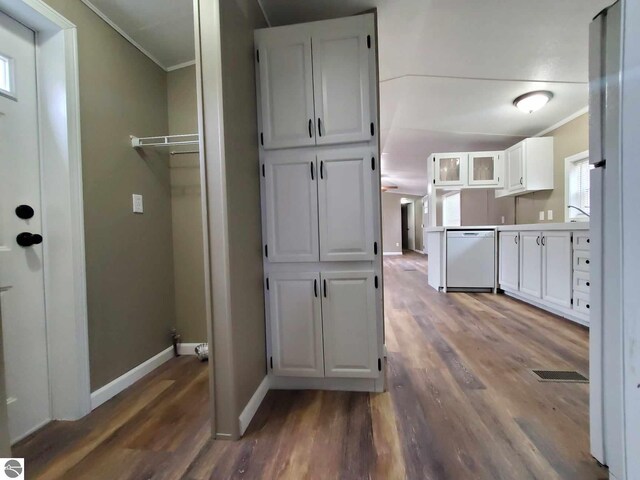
(471, 259)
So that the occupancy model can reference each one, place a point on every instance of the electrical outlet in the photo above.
(397, 244)
(503, 219)
(541, 215)
(549, 214)
(138, 206)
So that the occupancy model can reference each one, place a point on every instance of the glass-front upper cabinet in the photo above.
(450, 169)
(485, 168)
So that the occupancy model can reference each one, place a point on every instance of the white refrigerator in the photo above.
(606, 352)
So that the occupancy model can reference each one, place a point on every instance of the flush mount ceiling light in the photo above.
(532, 101)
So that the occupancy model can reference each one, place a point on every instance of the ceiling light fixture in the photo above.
(532, 101)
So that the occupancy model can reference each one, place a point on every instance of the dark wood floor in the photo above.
(462, 404)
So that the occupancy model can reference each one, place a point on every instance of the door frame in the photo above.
(62, 205)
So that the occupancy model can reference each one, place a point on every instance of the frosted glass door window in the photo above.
(450, 169)
(484, 168)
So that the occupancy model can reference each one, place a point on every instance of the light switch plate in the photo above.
(138, 206)
(549, 214)
(541, 215)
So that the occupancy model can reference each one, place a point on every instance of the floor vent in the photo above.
(560, 376)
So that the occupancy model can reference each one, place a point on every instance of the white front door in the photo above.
(21, 267)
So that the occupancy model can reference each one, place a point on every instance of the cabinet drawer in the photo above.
(581, 282)
(581, 260)
(581, 241)
(581, 303)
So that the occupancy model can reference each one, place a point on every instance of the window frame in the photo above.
(11, 77)
(572, 215)
(444, 198)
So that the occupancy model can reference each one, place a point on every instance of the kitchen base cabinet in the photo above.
(530, 263)
(509, 260)
(556, 268)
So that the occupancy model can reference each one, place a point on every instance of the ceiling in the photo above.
(449, 69)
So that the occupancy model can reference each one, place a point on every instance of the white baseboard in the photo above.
(188, 348)
(116, 386)
(419, 251)
(253, 404)
(392, 253)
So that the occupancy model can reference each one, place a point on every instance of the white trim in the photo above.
(253, 404)
(116, 386)
(328, 383)
(188, 348)
(181, 65)
(562, 122)
(113, 25)
(391, 253)
(561, 312)
(418, 251)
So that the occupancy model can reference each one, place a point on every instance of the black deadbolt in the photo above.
(26, 239)
(24, 212)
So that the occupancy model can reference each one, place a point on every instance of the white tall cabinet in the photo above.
(321, 216)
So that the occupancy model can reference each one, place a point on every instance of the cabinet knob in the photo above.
(587, 262)
(588, 306)
(588, 284)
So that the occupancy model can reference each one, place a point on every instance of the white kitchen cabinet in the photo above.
(531, 263)
(529, 167)
(349, 327)
(450, 169)
(509, 260)
(291, 207)
(556, 268)
(342, 54)
(485, 169)
(285, 79)
(296, 324)
(345, 196)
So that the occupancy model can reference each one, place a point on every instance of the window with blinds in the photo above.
(578, 194)
(5, 75)
(451, 210)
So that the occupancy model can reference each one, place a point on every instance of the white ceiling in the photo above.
(162, 29)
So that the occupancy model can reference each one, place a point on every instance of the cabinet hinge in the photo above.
(271, 362)
(258, 56)
(379, 364)
(373, 163)
(375, 281)
(266, 251)
(373, 130)
(263, 170)
(368, 41)
(375, 248)
(267, 283)
(261, 139)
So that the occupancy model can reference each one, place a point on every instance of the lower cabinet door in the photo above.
(509, 260)
(295, 315)
(531, 263)
(556, 268)
(349, 324)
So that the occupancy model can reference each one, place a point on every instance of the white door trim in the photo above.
(62, 205)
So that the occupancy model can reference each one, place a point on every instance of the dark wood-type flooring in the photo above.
(461, 404)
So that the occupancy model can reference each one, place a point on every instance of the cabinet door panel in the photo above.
(556, 268)
(450, 169)
(296, 324)
(509, 260)
(291, 195)
(485, 168)
(515, 158)
(345, 197)
(341, 63)
(531, 263)
(349, 324)
(286, 88)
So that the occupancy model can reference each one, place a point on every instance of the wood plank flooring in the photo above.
(461, 404)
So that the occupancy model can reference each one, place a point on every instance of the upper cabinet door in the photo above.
(485, 168)
(515, 160)
(450, 169)
(349, 324)
(345, 197)
(341, 79)
(296, 324)
(285, 80)
(556, 268)
(531, 263)
(291, 198)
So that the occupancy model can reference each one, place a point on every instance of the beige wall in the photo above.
(129, 257)
(480, 207)
(186, 208)
(569, 139)
(391, 223)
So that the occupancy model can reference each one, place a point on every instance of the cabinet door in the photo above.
(556, 268)
(450, 169)
(485, 168)
(286, 88)
(509, 270)
(531, 263)
(291, 198)
(341, 76)
(296, 324)
(515, 160)
(345, 197)
(349, 324)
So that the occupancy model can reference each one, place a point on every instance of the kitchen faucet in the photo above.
(580, 210)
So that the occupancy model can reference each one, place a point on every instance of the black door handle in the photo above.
(520, 180)
(315, 287)
(543, 241)
(324, 283)
(26, 239)
(25, 212)
(312, 175)
(310, 128)
(319, 126)
(321, 169)
(538, 240)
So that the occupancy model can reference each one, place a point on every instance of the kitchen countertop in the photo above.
(522, 227)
